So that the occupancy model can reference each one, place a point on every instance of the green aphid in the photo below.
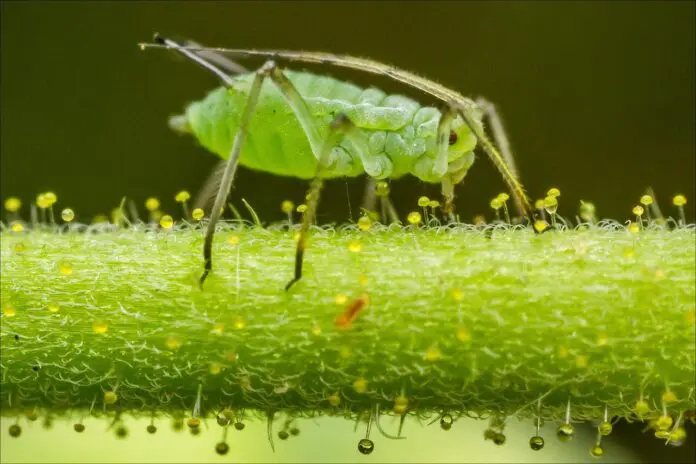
(308, 126)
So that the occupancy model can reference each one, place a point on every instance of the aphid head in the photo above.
(462, 143)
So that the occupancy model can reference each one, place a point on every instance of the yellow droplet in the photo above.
(638, 210)
(193, 423)
(602, 339)
(496, 203)
(218, 329)
(691, 316)
(230, 356)
(197, 214)
(334, 399)
(382, 188)
(20, 248)
(634, 228)
(659, 274)
(662, 434)
(364, 223)
(669, 397)
(679, 200)
(678, 434)
(287, 206)
(110, 397)
(479, 220)
(67, 214)
(50, 198)
(605, 428)
(434, 204)
(215, 368)
(540, 225)
(641, 408)
(433, 353)
(239, 323)
(345, 352)
(341, 299)
(17, 227)
(152, 204)
(581, 361)
(563, 352)
(166, 221)
(296, 236)
(53, 307)
(100, 327)
(457, 294)
(553, 192)
(664, 422)
(363, 280)
(539, 204)
(400, 404)
(182, 196)
(360, 385)
(173, 342)
(414, 218)
(354, 246)
(550, 204)
(503, 197)
(233, 240)
(9, 310)
(423, 201)
(463, 335)
(302, 208)
(99, 218)
(66, 269)
(13, 204)
(41, 201)
(646, 200)
(316, 330)
(629, 252)
(596, 451)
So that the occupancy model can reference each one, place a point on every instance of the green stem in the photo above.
(456, 321)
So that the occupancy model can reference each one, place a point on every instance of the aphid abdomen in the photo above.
(395, 129)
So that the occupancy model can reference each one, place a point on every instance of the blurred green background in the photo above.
(598, 97)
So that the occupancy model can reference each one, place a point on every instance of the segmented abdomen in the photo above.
(392, 125)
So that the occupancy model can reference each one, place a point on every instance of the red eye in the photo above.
(452, 138)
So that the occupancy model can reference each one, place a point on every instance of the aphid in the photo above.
(335, 129)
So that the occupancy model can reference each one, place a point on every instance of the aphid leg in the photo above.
(508, 173)
(269, 69)
(231, 168)
(370, 196)
(501, 140)
(340, 125)
(440, 165)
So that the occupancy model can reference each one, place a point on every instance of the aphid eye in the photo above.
(452, 138)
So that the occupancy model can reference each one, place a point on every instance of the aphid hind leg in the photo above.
(339, 126)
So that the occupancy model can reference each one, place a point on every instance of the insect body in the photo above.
(315, 127)
(394, 135)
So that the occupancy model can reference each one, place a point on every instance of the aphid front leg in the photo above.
(502, 142)
(339, 126)
(467, 111)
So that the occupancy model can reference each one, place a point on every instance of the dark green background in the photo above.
(598, 97)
